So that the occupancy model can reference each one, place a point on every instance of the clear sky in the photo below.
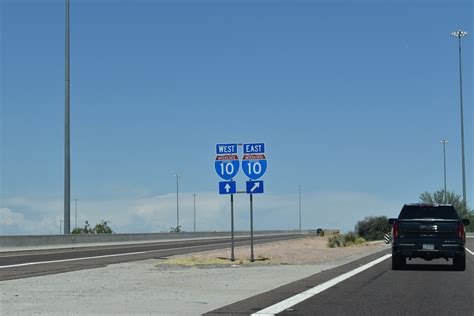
(350, 97)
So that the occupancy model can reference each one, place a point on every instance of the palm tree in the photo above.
(451, 198)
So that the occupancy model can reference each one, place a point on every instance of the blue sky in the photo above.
(351, 100)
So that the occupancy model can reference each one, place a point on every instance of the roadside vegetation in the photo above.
(100, 228)
(176, 229)
(373, 228)
(455, 200)
(345, 240)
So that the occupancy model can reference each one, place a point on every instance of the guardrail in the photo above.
(54, 240)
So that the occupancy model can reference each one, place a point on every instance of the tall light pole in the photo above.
(459, 34)
(75, 222)
(444, 142)
(194, 196)
(177, 202)
(67, 158)
(299, 204)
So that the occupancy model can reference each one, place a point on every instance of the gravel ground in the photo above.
(310, 250)
(145, 288)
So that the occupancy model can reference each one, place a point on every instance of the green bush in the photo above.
(100, 228)
(345, 240)
(470, 227)
(335, 241)
(373, 228)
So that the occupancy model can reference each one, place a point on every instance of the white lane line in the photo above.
(470, 251)
(72, 259)
(298, 298)
(106, 256)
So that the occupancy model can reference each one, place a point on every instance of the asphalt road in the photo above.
(424, 288)
(24, 264)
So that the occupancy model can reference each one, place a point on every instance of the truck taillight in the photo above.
(461, 231)
(395, 230)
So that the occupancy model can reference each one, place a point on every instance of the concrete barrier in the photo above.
(71, 240)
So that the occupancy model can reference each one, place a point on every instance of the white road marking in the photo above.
(470, 251)
(106, 256)
(298, 298)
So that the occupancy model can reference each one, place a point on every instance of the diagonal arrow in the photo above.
(227, 188)
(255, 186)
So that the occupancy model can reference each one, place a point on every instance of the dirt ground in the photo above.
(308, 250)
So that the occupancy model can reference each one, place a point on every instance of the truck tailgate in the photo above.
(426, 229)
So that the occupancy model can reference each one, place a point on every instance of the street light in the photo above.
(67, 156)
(194, 196)
(299, 205)
(459, 34)
(75, 225)
(177, 203)
(444, 142)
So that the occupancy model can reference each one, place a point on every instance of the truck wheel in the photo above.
(459, 263)
(398, 262)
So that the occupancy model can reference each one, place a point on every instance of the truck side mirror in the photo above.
(466, 222)
(391, 221)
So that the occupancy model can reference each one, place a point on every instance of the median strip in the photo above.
(296, 299)
(120, 254)
(104, 256)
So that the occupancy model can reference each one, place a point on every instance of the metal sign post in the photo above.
(254, 165)
(252, 258)
(232, 256)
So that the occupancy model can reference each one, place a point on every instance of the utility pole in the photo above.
(459, 34)
(444, 142)
(67, 157)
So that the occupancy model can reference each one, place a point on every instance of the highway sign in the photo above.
(227, 166)
(254, 187)
(225, 149)
(227, 187)
(257, 148)
(254, 165)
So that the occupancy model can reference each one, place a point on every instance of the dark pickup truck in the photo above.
(428, 231)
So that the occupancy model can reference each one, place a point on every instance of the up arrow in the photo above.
(255, 186)
(227, 188)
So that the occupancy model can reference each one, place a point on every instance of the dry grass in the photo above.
(209, 261)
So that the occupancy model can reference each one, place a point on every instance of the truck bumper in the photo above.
(428, 251)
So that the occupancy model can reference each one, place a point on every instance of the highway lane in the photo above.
(424, 288)
(23, 264)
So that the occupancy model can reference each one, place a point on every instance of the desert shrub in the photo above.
(335, 241)
(373, 228)
(345, 240)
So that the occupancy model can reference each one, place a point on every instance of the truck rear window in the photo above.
(438, 212)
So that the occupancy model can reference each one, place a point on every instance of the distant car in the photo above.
(428, 231)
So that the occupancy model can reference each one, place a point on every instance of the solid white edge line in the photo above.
(470, 251)
(298, 298)
(105, 256)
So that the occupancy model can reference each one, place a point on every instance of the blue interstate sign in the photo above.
(254, 187)
(224, 149)
(257, 148)
(227, 187)
(227, 166)
(254, 166)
